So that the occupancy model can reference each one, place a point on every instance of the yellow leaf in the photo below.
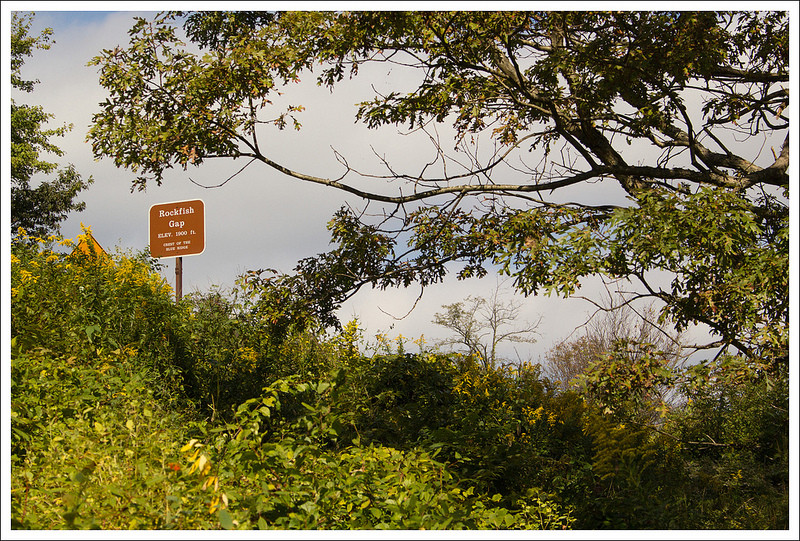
(188, 445)
(209, 480)
(201, 462)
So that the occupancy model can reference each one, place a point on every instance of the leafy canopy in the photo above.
(38, 207)
(677, 119)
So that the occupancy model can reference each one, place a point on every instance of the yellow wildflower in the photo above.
(27, 277)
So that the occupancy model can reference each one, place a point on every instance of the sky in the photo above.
(260, 218)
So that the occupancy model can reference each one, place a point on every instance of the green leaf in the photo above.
(225, 519)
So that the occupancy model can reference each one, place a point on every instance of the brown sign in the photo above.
(177, 229)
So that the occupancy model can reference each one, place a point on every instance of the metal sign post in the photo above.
(177, 229)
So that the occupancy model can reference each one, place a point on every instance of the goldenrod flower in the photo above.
(27, 277)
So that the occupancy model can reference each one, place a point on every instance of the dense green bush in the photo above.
(232, 354)
(714, 458)
(213, 347)
(736, 457)
(276, 471)
(92, 444)
(111, 378)
(504, 428)
(97, 405)
(83, 304)
(130, 410)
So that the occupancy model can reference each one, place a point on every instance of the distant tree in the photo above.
(585, 143)
(483, 323)
(603, 334)
(36, 206)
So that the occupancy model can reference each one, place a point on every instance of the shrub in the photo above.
(92, 444)
(268, 470)
(83, 304)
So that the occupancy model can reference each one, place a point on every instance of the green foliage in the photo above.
(83, 304)
(92, 443)
(737, 420)
(216, 349)
(727, 253)
(225, 359)
(636, 476)
(716, 458)
(249, 75)
(279, 471)
(729, 258)
(242, 340)
(100, 418)
(501, 427)
(757, 395)
(629, 381)
(513, 433)
(538, 78)
(132, 411)
(36, 208)
(480, 61)
(96, 406)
